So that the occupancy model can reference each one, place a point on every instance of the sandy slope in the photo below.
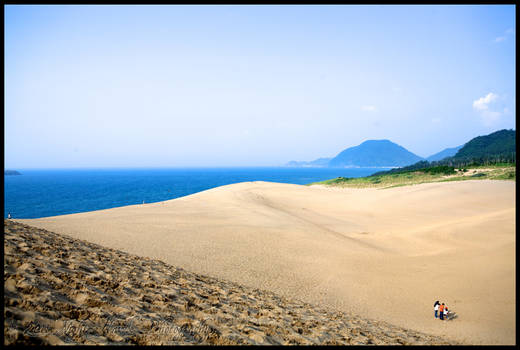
(61, 290)
(385, 254)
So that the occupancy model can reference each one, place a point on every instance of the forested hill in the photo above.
(499, 146)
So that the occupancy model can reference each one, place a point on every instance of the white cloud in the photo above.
(509, 31)
(368, 108)
(482, 103)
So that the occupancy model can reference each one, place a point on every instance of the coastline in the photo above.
(80, 190)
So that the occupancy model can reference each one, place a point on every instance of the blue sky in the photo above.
(174, 86)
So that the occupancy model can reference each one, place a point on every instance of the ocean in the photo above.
(42, 193)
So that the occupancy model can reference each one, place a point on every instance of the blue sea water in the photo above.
(41, 193)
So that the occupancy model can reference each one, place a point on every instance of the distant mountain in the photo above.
(11, 172)
(375, 153)
(499, 146)
(448, 152)
(317, 163)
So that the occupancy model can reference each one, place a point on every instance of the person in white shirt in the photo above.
(445, 312)
(436, 308)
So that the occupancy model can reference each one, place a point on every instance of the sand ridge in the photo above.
(385, 254)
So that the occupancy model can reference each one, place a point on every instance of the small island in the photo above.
(11, 172)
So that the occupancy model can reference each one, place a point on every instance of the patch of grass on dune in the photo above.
(433, 174)
(506, 175)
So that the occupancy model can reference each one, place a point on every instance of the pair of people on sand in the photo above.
(441, 310)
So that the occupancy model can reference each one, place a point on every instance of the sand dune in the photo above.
(384, 254)
(60, 290)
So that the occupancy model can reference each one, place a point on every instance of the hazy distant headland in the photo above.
(448, 152)
(11, 172)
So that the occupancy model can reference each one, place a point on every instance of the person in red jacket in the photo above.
(441, 312)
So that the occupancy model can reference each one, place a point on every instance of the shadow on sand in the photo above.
(451, 316)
